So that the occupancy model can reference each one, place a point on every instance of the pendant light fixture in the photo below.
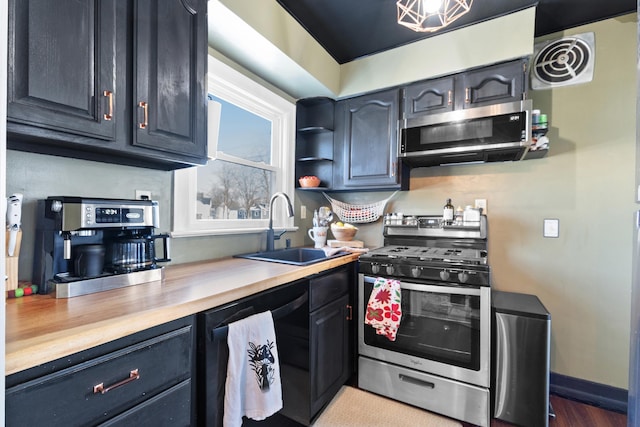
(430, 15)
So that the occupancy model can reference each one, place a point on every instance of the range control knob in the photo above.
(463, 276)
(375, 268)
(415, 271)
(444, 275)
(390, 269)
(56, 206)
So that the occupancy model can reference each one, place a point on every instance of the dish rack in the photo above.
(358, 213)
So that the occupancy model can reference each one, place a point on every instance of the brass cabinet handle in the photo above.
(100, 388)
(467, 95)
(450, 101)
(145, 108)
(350, 316)
(109, 95)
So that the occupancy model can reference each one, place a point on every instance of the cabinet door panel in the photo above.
(493, 85)
(170, 101)
(371, 140)
(61, 63)
(430, 97)
(329, 354)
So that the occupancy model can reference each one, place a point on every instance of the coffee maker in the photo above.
(87, 245)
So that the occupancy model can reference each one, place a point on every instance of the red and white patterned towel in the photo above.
(384, 309)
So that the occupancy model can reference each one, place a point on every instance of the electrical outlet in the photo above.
(143, 195)
(303, 212)
(482, 203)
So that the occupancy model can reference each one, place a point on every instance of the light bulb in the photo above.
(431, 6)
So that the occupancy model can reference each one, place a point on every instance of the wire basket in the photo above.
(358, 213)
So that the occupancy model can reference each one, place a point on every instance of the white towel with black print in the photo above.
(253, 386)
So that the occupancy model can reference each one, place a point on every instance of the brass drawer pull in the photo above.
(109, 95)
(450, 98)
(467, 95)
(145, 108)
(133, 375)
(350, 316)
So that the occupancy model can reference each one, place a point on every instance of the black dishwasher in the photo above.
(290, 310)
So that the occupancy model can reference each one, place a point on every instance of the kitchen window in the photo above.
(251, 135)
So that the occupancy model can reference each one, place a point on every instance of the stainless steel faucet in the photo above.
(271, 236)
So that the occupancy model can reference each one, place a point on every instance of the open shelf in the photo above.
(314, 141)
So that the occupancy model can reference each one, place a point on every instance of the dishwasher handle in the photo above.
(221, 332)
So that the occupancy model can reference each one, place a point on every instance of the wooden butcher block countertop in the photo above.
(41, 328)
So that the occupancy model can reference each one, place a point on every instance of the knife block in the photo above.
(11, 262)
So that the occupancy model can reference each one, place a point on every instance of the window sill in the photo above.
(226, 231)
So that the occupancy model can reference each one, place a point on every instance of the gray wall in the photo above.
(587, 182)
(39, 176)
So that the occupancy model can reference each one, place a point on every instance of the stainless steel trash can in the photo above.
(520, 359)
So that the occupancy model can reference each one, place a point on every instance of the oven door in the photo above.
(445, 330)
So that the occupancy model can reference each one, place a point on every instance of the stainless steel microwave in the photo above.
(494, 133)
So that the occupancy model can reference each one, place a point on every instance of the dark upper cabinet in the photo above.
(79, 70)
(61, 73)
(170, 68)
(495, 84)
(366, 143)
(429, 97)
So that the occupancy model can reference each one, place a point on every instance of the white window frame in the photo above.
(232, 86)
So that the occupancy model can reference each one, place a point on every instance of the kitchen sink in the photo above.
(293, 256)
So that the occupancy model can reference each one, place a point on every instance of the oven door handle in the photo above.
(438, 289)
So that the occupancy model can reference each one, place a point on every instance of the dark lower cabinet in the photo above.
(113, 81)
(315, 337)
(170, 375)
(142, 379)
(329, 353)
(328, 360)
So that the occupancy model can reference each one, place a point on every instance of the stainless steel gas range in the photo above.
(440, 358)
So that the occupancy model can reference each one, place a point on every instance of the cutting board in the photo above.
(349, 243)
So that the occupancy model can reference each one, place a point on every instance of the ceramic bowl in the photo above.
(344, 234)
(309, 181)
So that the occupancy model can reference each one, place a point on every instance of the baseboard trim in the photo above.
(600, 395)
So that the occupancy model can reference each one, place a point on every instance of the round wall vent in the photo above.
(563, 62)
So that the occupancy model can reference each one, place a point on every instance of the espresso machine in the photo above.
(87, 245)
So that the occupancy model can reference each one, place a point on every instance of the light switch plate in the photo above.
(481, 203)
(551, 227)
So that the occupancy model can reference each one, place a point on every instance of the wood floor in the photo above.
(575, 414)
